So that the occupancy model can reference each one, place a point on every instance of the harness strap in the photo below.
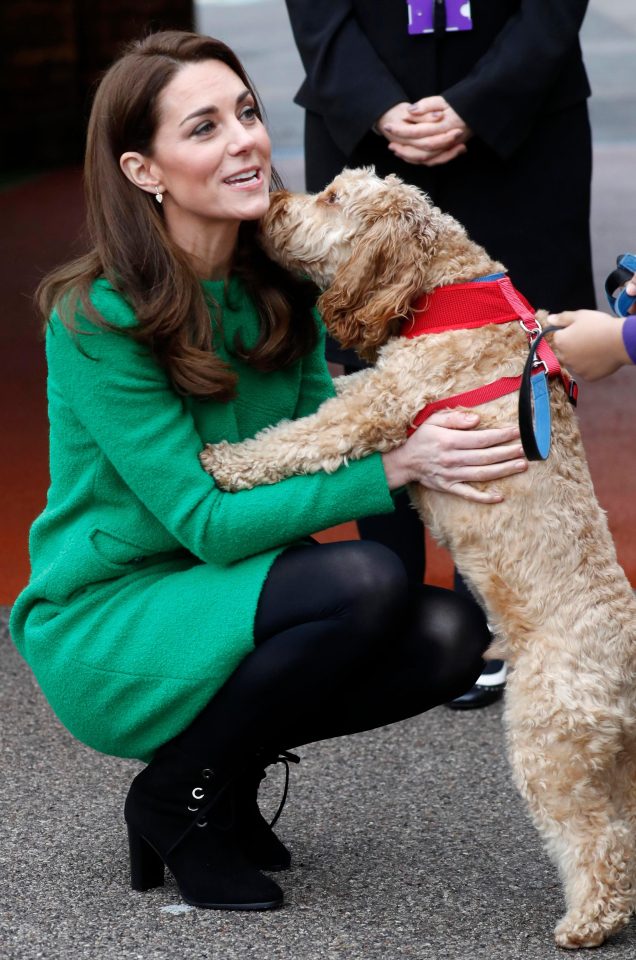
(471, 398)
(525, 313)
(476, 304)
(463, 306)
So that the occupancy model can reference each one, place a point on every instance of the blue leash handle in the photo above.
(535, 421)
(542, 418)
(625, 269)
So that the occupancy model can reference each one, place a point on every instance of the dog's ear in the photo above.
(374, 289)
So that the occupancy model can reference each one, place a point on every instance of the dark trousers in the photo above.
(343, 643)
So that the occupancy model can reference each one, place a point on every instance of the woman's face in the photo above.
(211, 153)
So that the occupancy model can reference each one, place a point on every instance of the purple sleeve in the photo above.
(629, 337)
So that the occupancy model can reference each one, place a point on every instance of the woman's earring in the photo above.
(158, 195)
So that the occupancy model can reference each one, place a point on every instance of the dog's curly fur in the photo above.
(542, 562)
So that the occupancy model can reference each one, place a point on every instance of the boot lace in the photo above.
(284, 757)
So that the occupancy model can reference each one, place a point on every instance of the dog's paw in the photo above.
(578, 939)
(214, 461)
(230, 467)
(211, 456)
(575, 931)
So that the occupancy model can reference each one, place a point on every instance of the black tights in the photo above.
(343, 643)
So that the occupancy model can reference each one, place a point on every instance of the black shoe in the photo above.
(488, 689)
(254, 834)
(186, 822)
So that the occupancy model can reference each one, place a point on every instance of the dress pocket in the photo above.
(116, 552)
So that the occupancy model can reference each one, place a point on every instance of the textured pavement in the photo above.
(408, 842)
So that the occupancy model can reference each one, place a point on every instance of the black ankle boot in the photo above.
(254, 834)
(187, 823)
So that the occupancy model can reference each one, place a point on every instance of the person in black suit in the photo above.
(490, 121)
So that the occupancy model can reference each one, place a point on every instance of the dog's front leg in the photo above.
(363, 418)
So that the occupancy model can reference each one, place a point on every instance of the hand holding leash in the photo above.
(594, 344)
(590, 343)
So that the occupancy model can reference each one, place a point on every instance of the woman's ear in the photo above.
(140, 170)
(373, 291)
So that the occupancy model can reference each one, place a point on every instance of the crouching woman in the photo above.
(200, 631)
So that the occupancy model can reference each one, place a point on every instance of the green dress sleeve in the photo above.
(124, 401)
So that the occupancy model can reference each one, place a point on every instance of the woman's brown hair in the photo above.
(131, 247)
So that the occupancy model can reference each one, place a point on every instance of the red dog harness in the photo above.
(462, 306)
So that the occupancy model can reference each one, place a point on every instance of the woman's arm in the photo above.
(501, 97)
(368, 416)
(125, 403)
(348, 83)
(504, 93)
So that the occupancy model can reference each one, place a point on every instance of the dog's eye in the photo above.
(332, 197)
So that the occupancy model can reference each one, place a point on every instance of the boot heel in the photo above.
(146, 866)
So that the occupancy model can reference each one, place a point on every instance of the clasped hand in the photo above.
(447, 453)
(427, 132)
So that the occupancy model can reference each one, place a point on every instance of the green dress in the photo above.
(145, 576)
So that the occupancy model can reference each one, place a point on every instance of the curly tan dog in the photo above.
(542, 562)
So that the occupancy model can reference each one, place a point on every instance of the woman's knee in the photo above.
(457, 630)
(359, 587)
(372, 586)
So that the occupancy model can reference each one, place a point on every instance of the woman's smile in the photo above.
(248, 179)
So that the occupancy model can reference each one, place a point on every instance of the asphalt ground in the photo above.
(409, 841)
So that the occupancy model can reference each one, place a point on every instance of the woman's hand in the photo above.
(591, 343)
(447, 453)
(428, 132)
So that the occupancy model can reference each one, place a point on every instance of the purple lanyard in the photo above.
(422, 15)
